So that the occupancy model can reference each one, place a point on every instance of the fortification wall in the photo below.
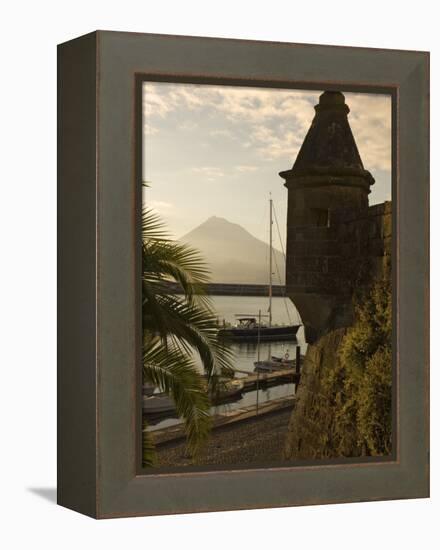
(364, 245)
(325, 265)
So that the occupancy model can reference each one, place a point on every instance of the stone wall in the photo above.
(312, 429)
(364, 238)
(326, 264)
(361, 255)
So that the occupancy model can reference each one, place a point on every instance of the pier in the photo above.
(265, 379)
(253, 381)
(232, 289)
(174, 434)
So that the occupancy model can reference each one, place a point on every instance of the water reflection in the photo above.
(246, 353)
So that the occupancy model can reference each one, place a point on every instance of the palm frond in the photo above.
(153, 227)
(149, 456)
(177, 326)
(176, 374)
(191, 326)
(164, 261)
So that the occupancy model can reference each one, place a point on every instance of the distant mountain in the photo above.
(233, 254)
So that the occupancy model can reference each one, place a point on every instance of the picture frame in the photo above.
(99, 318)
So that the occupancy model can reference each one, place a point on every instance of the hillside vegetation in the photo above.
(345, 397)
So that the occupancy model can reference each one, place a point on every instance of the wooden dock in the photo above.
(221, 420)
(266, 379)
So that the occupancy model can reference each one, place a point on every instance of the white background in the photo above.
(29, 34)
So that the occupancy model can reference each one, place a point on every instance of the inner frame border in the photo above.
(391, 90)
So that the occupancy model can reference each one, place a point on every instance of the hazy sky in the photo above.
(217, 150)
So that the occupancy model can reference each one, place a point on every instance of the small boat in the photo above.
(284, 359)
(148, 389)
(228, 390)
(271, 366)
(161, 404)
(158, 403)
(275, 364)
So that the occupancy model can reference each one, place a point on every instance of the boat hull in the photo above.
(273, 366)
(158, 404)
(264, 334)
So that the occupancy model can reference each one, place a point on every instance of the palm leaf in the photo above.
(149, 457)
(176, 374)
(191, 326)
(165, 261)
(177, 326)
(152, 227)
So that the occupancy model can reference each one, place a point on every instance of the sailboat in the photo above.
(250, 327)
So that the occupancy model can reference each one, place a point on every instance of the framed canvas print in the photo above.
(243, 274)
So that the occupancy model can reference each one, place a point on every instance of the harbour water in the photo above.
(246, 353)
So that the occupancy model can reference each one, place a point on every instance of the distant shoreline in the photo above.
(234, 289)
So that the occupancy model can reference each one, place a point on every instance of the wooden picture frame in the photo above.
(99, 350)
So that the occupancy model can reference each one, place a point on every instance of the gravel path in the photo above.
(254, 440)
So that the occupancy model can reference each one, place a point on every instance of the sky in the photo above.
(217, 150)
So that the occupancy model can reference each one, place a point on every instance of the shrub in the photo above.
(366, 358)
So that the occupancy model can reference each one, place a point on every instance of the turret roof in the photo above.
(329, 147)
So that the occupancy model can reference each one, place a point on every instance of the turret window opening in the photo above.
(320, 217)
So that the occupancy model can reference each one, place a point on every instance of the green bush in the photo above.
(343, 405)
(365, 359)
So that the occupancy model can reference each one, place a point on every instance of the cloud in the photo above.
(150, 130)
(188, 125)
(277, 143)
(370, 120)
(155, 104)
(235, 102)
(273, 122)
(247, 168)
(209, 172)
(222, 133)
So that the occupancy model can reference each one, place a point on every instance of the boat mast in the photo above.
(270, 262)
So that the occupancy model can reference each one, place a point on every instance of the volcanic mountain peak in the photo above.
(233, 254)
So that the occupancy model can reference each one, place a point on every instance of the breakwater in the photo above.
(232, 289)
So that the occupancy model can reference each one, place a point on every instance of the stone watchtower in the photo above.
(328, 191)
